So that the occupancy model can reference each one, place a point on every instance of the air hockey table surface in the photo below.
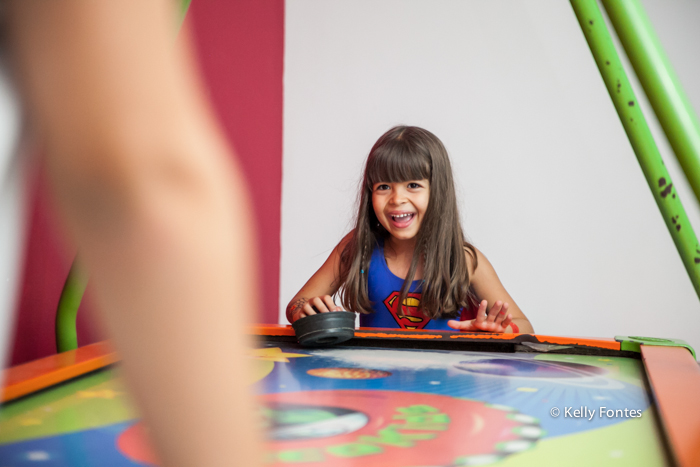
(392, 398)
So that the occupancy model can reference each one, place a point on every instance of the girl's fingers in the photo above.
(481, 312)
(461, 325)
(506, 322)
(330, 304)
(316, 305)
(319, 305)
(496, 320)
(494, 311)
(307, 310)
(502, 315)
(506, 315)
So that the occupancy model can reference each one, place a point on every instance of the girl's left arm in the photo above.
(498, 311)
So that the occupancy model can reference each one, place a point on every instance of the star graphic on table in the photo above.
(104, 394)
(30, 422)
(274, 354)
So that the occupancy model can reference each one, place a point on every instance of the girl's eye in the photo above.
(413, 185)
(382, 187)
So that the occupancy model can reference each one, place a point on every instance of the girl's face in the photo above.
(400, 207)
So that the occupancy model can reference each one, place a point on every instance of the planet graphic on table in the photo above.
(511, 367)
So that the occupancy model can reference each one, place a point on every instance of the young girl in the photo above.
(406, 264)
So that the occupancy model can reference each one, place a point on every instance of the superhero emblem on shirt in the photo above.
(406, 316)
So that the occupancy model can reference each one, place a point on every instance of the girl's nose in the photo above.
(398, 197)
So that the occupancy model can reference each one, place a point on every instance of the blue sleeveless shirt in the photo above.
(384, 290)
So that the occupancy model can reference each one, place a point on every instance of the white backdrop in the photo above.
(549, 187)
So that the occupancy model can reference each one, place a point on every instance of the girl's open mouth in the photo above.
(403, 220)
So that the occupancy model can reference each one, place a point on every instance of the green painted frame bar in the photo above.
(184, 6)
(634, 343)
(67, 310)
(594, 29)
(660, 83)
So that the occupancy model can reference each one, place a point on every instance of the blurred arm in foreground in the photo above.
(145, 186)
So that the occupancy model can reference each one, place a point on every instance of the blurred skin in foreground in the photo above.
(146, 187)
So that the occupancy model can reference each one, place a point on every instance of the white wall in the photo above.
(12, 208)
(550, 189)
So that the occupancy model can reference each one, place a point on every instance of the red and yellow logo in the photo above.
(408, 316)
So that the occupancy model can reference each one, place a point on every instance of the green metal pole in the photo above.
(627, 106)
(660, 84)
(184, 6)
(67, 311)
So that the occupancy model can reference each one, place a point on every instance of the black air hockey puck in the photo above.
(324, 329)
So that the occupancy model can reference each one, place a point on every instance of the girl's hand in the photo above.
(497, 319)
(307, 307)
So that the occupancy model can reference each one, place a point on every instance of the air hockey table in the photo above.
(393, 398)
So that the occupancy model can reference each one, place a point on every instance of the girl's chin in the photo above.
(403, 236)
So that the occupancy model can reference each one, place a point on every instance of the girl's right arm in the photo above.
(316, 295)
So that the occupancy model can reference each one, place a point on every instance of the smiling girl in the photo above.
(406, 263)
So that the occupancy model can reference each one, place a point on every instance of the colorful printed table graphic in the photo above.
(376, 407)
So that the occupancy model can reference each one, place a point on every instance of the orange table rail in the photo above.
(423, 334)
(40, 374)
(674, 377)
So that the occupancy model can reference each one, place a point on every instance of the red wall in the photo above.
(241, 49)
(47, 261)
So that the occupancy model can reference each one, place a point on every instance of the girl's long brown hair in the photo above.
(401, 154)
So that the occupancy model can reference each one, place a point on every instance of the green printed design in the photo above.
(631, 443)
(391, 436)
(299, 416)
(297, 456)
(89, 402)
(354, 450)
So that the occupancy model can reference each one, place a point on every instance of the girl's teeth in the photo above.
(401, 216)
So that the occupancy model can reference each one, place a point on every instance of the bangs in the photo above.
(396, 161)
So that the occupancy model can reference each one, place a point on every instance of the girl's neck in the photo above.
(400, 248)
(399, 254)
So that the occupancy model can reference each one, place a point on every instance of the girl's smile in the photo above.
(402, 219)
(400, 207)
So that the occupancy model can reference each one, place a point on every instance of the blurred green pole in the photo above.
(76, 282)
(67, 311)
(627, 106)
(660, 84)
(184, 5)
